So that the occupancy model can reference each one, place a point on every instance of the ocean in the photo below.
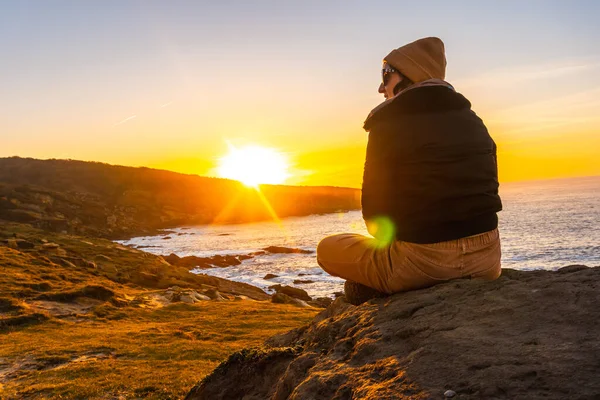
(543, 225)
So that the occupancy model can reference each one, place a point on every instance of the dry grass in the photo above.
(141, 353)
(73, 332)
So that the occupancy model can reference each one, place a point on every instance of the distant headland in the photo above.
(110, 201)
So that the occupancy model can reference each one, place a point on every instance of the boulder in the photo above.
(286, 250)
(20, 244)
(223, 261)
(526, 335)
(187, 298)
(292, 292)
(449, 394)
(280, 298)
(321, 302)
(302, 281)
(270, 276)
(171, 258)
(199, 297)
(98, 292)
(214, 294)
(192, 262)
(53, 248)
(571, 268)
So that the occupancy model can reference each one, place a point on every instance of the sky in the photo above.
(173, 84)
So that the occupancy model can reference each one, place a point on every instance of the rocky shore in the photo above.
(222, 261)
(167, 276)
(84, 317)
(71, 304)
(527, 335)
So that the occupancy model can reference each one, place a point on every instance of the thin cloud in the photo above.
(586, 100)
(523, 73)
(166, 104)
(125, 120)
(567, 111)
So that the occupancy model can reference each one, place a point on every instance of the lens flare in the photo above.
(383, 229)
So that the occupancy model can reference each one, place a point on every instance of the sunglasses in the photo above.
(386, 72)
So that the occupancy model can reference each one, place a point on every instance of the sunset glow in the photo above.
(193, 77)
(253, 165)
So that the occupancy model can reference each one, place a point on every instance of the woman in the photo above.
(430, 186)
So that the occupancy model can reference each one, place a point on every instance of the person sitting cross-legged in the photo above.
(430, 186)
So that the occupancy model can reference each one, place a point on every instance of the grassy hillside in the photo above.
(85, 318)
(113, 201)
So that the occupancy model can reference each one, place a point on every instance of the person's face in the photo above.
(390, 78)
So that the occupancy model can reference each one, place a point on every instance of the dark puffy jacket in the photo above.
(431, 167)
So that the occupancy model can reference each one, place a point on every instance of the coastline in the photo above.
(82, 300)
(82, 316)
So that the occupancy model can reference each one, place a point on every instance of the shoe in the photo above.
(357, 293)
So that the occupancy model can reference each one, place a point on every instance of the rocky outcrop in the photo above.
(527, 335)
(205, 262)
(70, 255)
(302, 281)
(18, 244)
(280, 298)
(293, 292)
(228, 260)
(286, 250)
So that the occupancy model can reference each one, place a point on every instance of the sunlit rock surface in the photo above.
(527, 335)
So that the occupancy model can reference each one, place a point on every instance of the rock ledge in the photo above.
(527, 335)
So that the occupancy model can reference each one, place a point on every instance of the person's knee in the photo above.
(326, 253)
(326, 246)
(323, 249)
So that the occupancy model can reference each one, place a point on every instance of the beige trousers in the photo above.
(403, 266)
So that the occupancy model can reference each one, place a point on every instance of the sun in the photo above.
(253, 165)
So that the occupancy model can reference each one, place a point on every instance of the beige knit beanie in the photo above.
(420, 60)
